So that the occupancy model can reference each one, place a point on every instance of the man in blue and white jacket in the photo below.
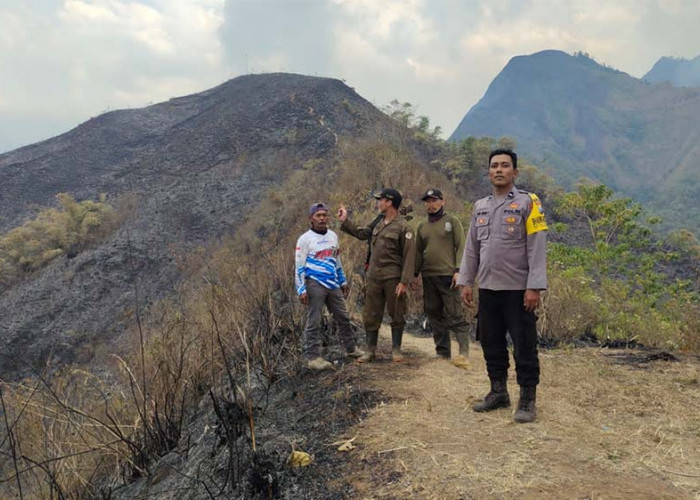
(320, 280)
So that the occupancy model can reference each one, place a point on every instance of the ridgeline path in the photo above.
(611, 424)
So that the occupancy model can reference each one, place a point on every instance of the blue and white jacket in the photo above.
(318, 258)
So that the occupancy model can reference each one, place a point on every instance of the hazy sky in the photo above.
(64, 61)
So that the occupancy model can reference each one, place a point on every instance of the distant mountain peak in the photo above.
(579, 118)
(547, 75)
(548, 61)
(677, 71)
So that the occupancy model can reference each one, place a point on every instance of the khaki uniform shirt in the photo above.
(439, 246)
(506, 244)
(393, 248)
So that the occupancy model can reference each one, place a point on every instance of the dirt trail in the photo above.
(605, 430)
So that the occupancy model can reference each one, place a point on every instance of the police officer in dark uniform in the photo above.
(505, 254)
(390, 270)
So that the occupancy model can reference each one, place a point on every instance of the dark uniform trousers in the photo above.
(502, 312)
(443, 306)
(378, 293)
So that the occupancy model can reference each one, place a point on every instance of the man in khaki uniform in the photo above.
(439, 248)
(506, 255)
(390, 271)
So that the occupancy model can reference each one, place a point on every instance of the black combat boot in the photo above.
(396, 336)
(370, 353)
(526, 406)
(497, 398)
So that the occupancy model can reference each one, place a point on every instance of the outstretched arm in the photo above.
(347, 226)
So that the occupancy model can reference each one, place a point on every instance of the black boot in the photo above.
(369, 354)
(497, 398)
(526, 406)
(396, 336)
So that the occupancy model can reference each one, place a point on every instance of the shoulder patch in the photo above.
(535, 221)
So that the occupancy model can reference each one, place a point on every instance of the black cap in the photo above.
(316, 207)
(390, 194)
(433, 193)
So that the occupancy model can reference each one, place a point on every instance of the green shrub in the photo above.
(570, 308)
(629, 316)
(67, 229)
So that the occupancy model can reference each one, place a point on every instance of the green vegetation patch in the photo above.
(65, 230)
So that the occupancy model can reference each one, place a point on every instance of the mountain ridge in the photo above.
(678, 72)
(161, 135)
(577, 118)
(197, 166)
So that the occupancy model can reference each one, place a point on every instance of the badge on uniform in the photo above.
(409, 236)
(448, 227)
(536, 221)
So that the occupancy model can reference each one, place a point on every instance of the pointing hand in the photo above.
(342, 213)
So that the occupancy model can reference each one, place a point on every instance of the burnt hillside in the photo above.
(196, 166)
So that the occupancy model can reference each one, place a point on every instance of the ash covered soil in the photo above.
(307, 411)
(605, 429)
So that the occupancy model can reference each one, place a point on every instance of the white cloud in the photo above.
(13, 33)
(63, 62)
(427, 72)
(395, 39)
(292, 36)
(165, 28)
(442, 55)
(383, 20)
(91, 11)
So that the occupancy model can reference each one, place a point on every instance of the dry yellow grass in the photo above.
(604, 431)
